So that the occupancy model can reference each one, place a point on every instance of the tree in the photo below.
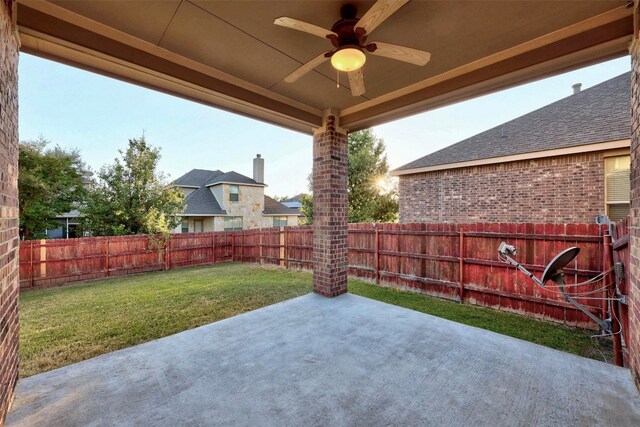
(131, 196)
(50, 183)
(372, 195)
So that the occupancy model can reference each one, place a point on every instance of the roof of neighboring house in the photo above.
(202, 202)
(273, 207)
(196, 178)
(599, 114)
(295, 205)
(296, 198)
(75, 213)
(232, 178)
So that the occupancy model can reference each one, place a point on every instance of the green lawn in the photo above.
(65, 325)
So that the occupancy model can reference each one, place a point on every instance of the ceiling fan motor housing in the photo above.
(346, 35)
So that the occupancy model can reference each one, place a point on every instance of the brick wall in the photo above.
(8, 209)
(634, 289)
(564, 189)
(330, 210)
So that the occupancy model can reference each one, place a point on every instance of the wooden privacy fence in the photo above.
(454, 261)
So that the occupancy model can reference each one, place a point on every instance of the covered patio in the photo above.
(343, 360)
(346, 361)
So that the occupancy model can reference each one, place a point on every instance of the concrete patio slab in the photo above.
(342, 361)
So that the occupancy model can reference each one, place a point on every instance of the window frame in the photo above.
(231, 218)
(234, 193)
(608, 203)
(280, 218)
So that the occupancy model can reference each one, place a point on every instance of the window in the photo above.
(279, 221)
(185, 226)
(232, 223)
(234, 193)
(617, 186)
(197, 226)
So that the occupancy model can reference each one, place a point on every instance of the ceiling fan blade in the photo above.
(305, 68)
(380, 11)
(356, 81)
(303, 26)
(401, 53)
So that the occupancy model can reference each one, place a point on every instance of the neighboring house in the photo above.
(293, 202)
(563, 163)
(69, 221)
(218, 201)
(68, 228)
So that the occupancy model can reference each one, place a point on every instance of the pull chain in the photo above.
(338, 79)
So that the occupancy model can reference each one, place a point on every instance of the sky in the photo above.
(73, 108)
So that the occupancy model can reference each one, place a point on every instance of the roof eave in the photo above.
(235, 183)
(587, 148)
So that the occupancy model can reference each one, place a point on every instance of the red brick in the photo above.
(634, 290)
(330, 171)
(9, 327)
(559, 190)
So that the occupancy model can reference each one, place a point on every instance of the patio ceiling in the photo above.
(230, 54)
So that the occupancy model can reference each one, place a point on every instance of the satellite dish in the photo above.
(558, 263)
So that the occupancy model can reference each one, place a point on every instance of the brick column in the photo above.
(8, 206)
(634, 290)
(330, 208)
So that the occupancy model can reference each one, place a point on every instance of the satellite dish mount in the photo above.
(554, 272)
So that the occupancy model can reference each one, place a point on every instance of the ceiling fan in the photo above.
(349, 38)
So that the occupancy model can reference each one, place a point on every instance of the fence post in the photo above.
(169, 248)
(377, 259)
(281, 253)
(233, 247)
(286, 248)
(260, 247)
(31, 261)
(610, 292)
(107, 257)
(461, 275)
(165, 248)
(242, 246)
(213, 248)
(607, 259)
(43, 258)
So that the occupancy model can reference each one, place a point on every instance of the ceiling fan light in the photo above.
(348, 59)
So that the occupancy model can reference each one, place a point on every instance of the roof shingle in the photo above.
(196, 178)
(233, 178)
(202, 202)
(601, 113)
(273, 207)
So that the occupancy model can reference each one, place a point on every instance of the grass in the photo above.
(65, 325)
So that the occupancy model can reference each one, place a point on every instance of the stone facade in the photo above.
(562, 189)
(634, 291)
(267, 221)
(216, 223)
(249, 206)
(9, 325)
(330, 171)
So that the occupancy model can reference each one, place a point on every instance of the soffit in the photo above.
(237, 39)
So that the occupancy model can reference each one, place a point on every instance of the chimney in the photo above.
(576, 88)
(258, 169)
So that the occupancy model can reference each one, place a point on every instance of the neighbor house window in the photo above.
(279, 221)
(185, 226)
(617, 186)
(232, 223)
(234, 193)
(197, 226)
